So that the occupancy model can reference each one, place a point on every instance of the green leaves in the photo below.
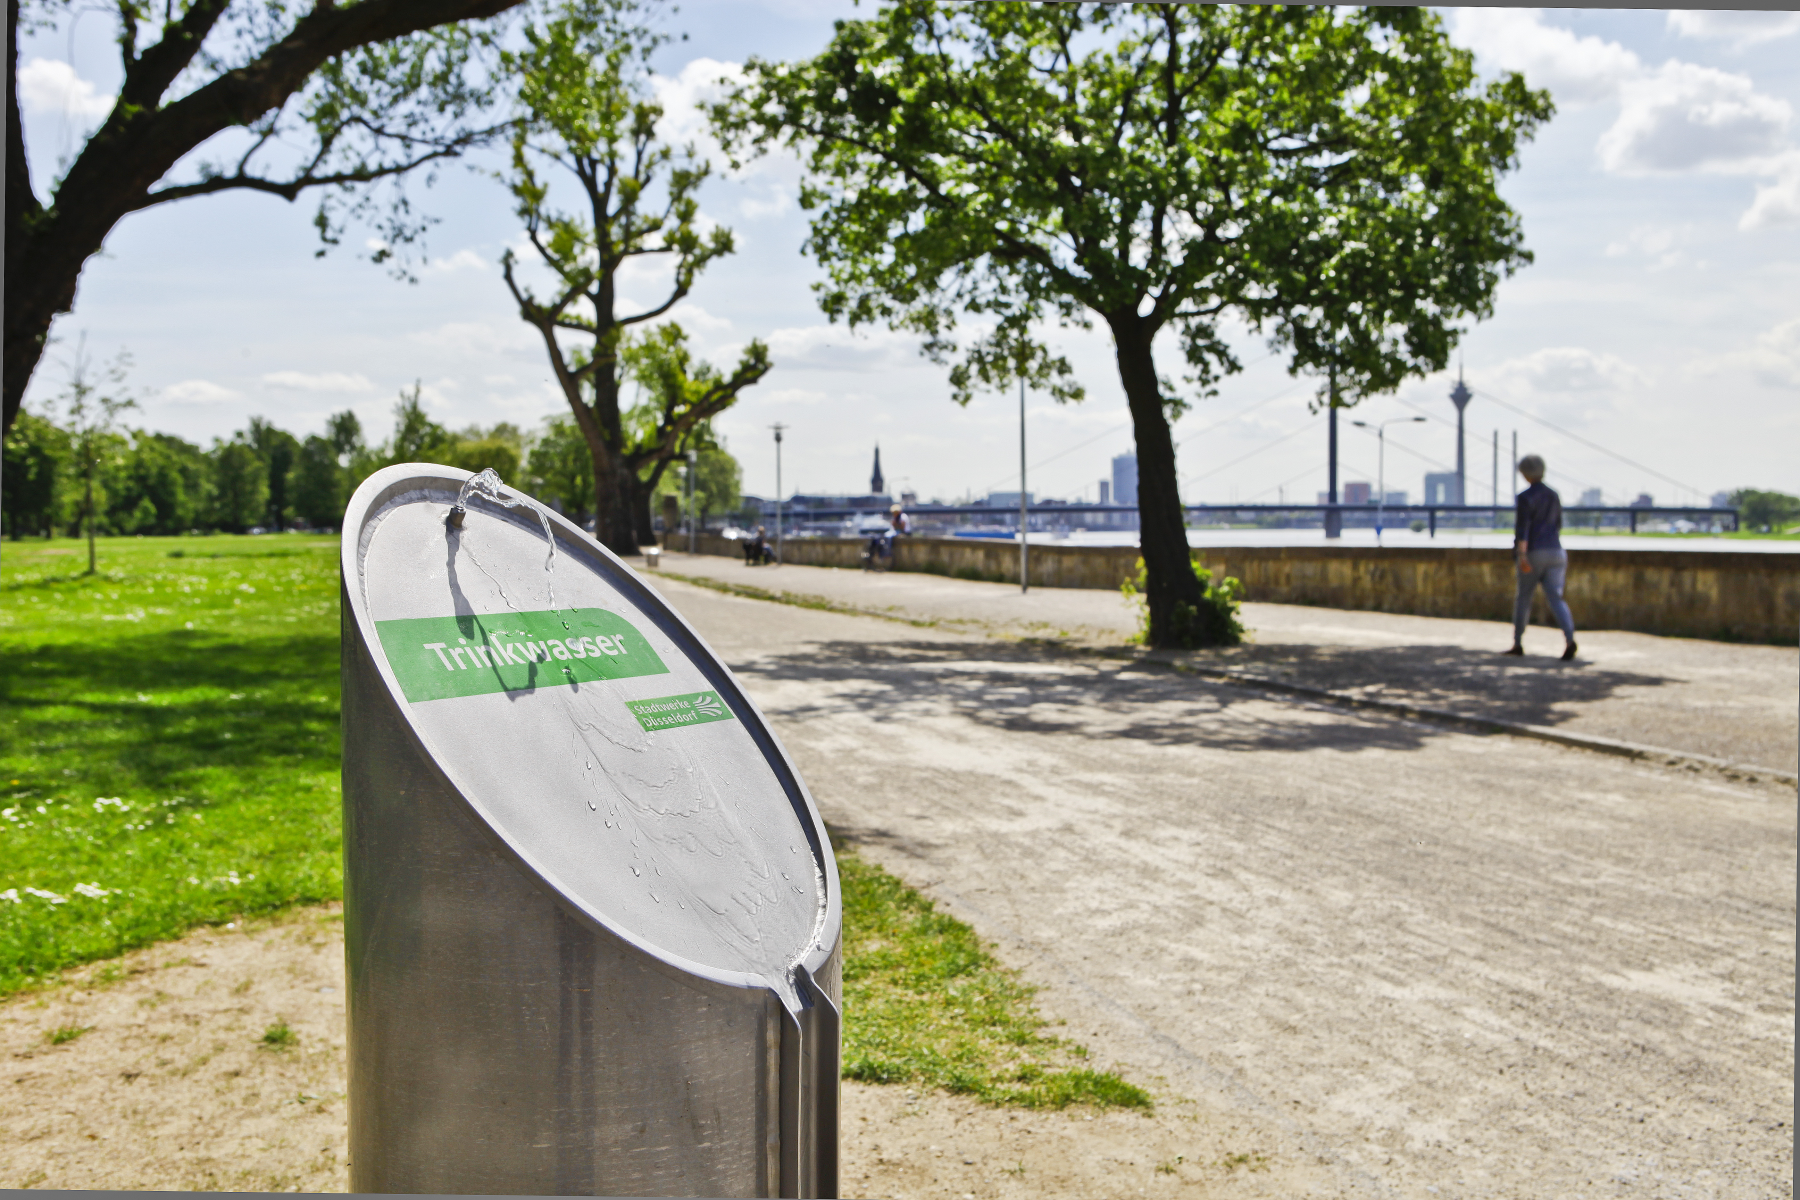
(1326, 174)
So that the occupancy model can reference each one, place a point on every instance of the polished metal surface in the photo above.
(588, 954)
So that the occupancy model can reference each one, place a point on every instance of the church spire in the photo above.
(877, 485)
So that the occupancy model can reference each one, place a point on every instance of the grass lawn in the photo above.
(168, 740)
(169, 758)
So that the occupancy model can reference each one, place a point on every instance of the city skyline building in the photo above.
(1460, 396)
(1125, 479)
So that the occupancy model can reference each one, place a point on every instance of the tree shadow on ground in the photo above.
(1043, 689)
(77, 706)
(1534, 690)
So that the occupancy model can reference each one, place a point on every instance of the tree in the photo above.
(368, 90)
(280, 450)
(560, 471)
(90, 408)
(417, 438)
(583, 112)
(500, 449)
(1325, 175)
(718, 482)
(319, 493)
(34, 450)
(158, 487)
(1765, 512)
(240, 486)
(680, 398)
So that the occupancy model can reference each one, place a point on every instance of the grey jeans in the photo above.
(1548, 567)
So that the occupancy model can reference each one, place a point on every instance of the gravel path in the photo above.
(1419, 961)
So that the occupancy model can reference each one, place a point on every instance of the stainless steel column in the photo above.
(510, 1031)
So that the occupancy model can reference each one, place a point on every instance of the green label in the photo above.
(437, 658)
(666, 712)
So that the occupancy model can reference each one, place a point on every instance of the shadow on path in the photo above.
(1040, 689)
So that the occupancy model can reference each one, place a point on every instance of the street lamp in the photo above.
(693, 459)
(1380, 429)
(778, 427)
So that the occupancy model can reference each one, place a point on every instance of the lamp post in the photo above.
(1024, 531)
(778, 427)
(1380, 429)
(693, 460)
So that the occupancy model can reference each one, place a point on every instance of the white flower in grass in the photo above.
(52, 897)
(94, 891)
(11, 895)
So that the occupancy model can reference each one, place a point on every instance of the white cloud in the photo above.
(1679, 117)
(1570, 369)
(461, 260)
(513, 339)
(1741, 28)
(701, 81)
(1775, 359)
(1776, 203)
(697, 321)
(1684, 117)
(1577, 70)
(835, 348)
(47, 85)
(198, 391)
(329, 381)
(1662, 244)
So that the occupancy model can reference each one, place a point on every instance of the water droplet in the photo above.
(592, 807)
(635, 871)
(590, 765)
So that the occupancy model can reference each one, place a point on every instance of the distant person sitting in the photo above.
(1542, 560)
(756, 548)
(899, 520)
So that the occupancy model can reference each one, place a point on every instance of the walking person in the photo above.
(1537, 543)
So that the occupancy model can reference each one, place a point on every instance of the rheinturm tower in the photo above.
(877, 485)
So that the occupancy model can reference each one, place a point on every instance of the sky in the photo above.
(1653, 346)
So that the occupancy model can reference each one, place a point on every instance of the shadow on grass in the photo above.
(142, 798)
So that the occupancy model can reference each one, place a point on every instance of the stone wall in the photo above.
(1734, 596)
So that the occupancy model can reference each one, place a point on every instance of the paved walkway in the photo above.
(1393, 958)
(1735, 702)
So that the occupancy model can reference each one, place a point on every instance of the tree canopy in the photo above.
(585, 117)
(1326, 176)
(367, 91)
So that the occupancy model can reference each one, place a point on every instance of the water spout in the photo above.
(486, 484)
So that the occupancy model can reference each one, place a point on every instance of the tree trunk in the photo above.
(143, 138)
(1162, 535)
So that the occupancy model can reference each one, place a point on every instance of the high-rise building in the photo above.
(1124, 480)
(1395, 499)
(1358, 493)
(1106, 493)
(1591, 499)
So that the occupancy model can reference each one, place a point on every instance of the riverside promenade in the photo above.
(1727, 701)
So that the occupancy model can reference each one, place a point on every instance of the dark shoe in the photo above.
(1569, 652)
(1516, 652)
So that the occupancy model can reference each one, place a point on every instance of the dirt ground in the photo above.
(172, 1087)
